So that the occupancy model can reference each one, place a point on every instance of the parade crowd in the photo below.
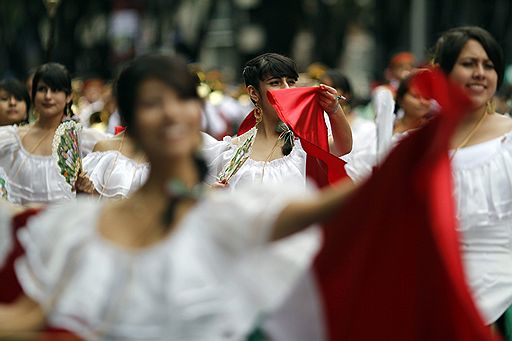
(167, 205)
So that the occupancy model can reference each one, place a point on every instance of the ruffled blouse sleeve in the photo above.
(113, 174)
(8, 142)
(9, 149)
(216, 154)
(50, 240)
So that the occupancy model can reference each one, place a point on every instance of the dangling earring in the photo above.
(258, 113)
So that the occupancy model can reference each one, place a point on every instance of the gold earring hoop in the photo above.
(490, 106)
(258, 113)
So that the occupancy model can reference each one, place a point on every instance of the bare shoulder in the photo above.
(23, 129)
(500, 124)
(106, 145)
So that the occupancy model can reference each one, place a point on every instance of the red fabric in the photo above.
(392, 269)
(246, 125)
(300, 110)
(119, 129)
(11, 288)
(57, 334)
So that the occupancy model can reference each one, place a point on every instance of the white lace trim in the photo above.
(113, 174)
(290, 168)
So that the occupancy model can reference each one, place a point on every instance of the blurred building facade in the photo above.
(94, 37)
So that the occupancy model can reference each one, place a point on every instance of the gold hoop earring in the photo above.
(490, 106)
(258, 113)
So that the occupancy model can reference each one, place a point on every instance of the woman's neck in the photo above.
(267, 127)
(407, 123)
(127, 147)
(48, 123)
(472, 118)
(183, 170)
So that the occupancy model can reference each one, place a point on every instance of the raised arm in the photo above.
(341, 131)
(298, 215)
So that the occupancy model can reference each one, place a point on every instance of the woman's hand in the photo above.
(84, 184)
(329, 100)
(341, 142)
(219, 184)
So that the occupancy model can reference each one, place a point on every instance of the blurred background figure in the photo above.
(363, 130)
(412, 111)
(14, 102)
(399, 67)
(503, 97)
(91, 100)
(225, 105)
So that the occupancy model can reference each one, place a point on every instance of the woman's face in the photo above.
(167, 126)
(50, 103)
(274, 83)
(414, 106)
(12, 110)
(475, 72)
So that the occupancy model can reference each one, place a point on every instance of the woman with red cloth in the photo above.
(271, 152)
(283, 140)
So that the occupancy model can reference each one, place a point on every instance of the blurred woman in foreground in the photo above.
(170, 262)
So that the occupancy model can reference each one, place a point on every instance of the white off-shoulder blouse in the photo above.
(214, 278)
(32, 178)
(290, 168)
(113, 174)
(482, 177)
(36, 178)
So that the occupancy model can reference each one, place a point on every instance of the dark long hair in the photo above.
(451, 43)
(271, 65)
(266, 65)
(58, 78)
(175, 73)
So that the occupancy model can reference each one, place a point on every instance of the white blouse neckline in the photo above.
(25, 151)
